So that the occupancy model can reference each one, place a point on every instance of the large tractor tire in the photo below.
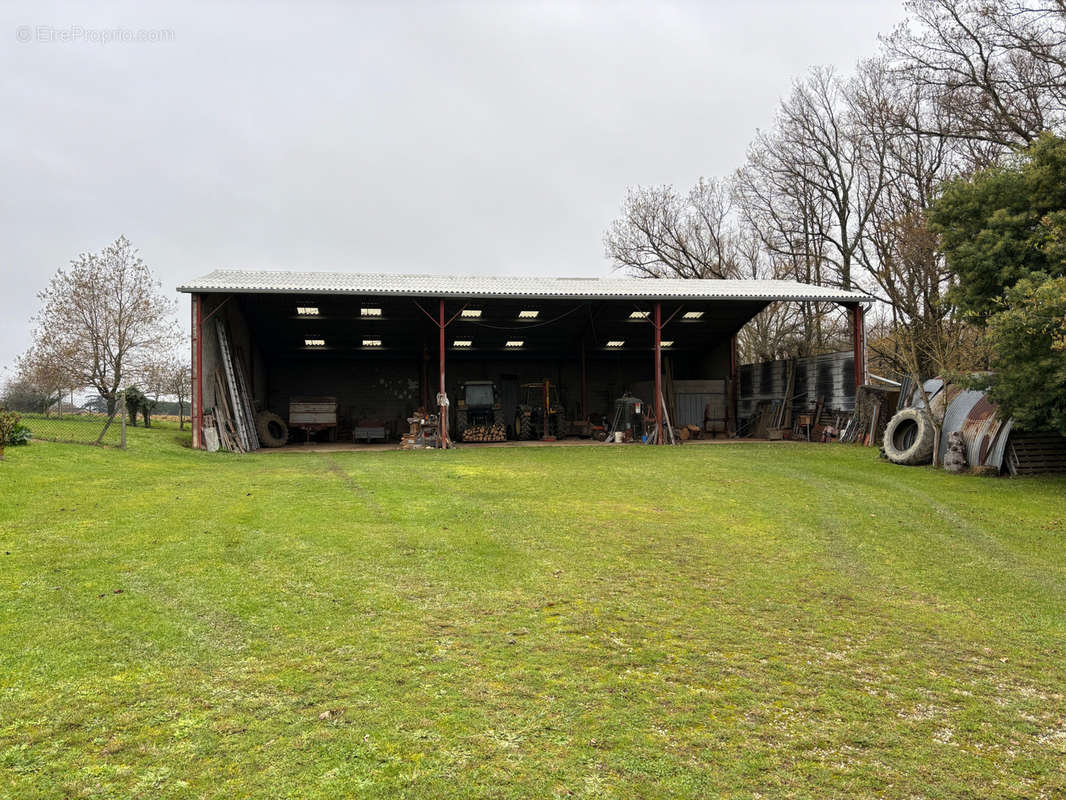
(460, 424)
(909, 438)
(562, 427)
(498, 417)
(271, 429)
(524, 427)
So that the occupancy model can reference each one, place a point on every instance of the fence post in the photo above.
(122, 400)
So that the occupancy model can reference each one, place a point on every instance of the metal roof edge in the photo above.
(221, 281)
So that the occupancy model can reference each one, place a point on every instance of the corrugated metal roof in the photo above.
(276, 282)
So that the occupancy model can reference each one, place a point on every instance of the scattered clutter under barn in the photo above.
(283, 358)
(974, 435)
(425, 361)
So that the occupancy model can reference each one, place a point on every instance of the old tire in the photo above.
(271, 429)
(562, 427)
(909, 438)
(524, 424)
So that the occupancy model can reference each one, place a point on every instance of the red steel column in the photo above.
(858, 340)
(197, 395)
(443, 436)
(733, 394)
(659, 438)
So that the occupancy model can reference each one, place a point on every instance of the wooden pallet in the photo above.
(1036, 453)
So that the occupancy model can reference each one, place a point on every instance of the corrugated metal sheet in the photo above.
(830, 376)
(273, 282)
(955, 416)
(999, 446)
(979, 431)
(984, 433)
(990, 440)
(691, 406)
(931, 387)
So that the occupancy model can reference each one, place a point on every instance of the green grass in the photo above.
(707, 621)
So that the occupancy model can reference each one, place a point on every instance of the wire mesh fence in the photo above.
(69, 422)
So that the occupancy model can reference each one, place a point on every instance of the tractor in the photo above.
(479, 405)
(539, 402)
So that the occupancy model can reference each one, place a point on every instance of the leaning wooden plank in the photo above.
(231, 383)
(247, 410)
(227, 428)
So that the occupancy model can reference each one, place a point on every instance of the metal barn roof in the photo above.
(353, 283)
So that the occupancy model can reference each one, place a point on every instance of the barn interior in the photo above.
(380, 356)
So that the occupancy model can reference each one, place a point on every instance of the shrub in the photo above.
(12, 431)
(1028, 338)
(20, 434)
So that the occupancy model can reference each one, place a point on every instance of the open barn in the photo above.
(381, 348)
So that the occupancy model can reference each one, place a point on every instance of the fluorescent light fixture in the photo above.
(667, 343)
(514, 343)
(528, 314)
(371, 342)
(471, 313)
(616, 342)
(462, 343)
(692, 315)
(639, 314)
(370, 312)
(307, 311)
(315, 342)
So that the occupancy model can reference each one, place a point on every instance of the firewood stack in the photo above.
(485, 433)
(689, 432)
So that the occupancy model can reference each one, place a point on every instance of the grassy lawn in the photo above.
(721, 621)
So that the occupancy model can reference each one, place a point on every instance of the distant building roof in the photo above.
(284, 282)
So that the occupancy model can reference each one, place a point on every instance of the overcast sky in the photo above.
(492, 138)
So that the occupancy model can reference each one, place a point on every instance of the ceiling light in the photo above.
(307, 311)
(667, 343)
(370, 312)
(514, 343)
(639, 314)
(616, 343)
(315, 342)
(528, 314)
(471, 313)
(462, 343)
(371, 342)
(692, 315)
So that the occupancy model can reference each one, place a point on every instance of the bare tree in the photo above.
(809, 189)
(926, 334)
(788, 220)
(40, 382)
(996, 67)
(811, 183)
(662, 234)
(180, 386)
(103, 319)
(170, 376)
(776, 332)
